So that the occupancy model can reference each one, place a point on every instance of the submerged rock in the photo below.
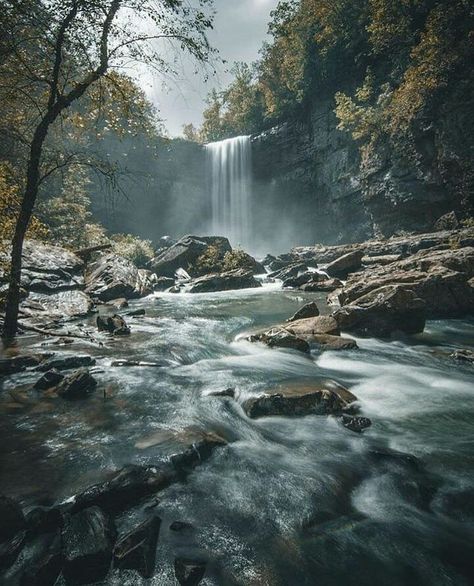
(78, 385)
(19, 363)
(308, 310)
(137, 549)
(87, 537)
(114, 324)
(224, 393)
(189, 572)
(382, 312)
(323, 399)
(237, 279)
(463, 355)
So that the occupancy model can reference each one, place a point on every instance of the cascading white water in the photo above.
(230, 169)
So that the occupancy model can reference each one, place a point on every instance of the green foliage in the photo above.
(210, 261)
(135, 249)
(237, 259)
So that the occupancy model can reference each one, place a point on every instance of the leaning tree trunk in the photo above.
(28, 202)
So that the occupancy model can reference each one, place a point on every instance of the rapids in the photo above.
(288, 501)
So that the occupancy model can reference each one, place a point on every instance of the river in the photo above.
(289, 501)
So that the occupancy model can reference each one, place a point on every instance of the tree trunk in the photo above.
(28, 201)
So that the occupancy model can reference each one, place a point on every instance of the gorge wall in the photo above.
(315, 174)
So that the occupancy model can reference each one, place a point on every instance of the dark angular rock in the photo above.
(114, 324)
(357, 424)
(12, 519)
(126, 488)
(189, 572)
(237, 279)
(224, 393)
(66, 362)
(327, 285)
(289, 272)
(308, 310)
(49, 379)
(181, 526)
(87, 541)
(18, 364)
(345, 264)
(201, 450)
(43, 520)
(303, 279)
(327, 342)
(137, 549)
(78, 385)
(448, 221)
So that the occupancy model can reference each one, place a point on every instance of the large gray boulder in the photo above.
(185, 252)
(113, 276)
(348, 263)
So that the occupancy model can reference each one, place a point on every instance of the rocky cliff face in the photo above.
(315, 174)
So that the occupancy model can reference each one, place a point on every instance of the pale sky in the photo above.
(240, 27)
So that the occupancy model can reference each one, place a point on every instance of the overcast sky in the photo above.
(240, 27)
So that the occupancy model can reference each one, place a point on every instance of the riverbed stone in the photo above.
(88, 537)
(327, 342)
(78, 385)
(12, 519)
(325, 398)
(230, 280)
(356, 424)
(163, 283)
(279, 337)
(326, 285)
(463, 355)
(383, 311)
(50, 379)
(309, 327)
(309, 310)
(113, 324)
(345, 264)
(136, 550)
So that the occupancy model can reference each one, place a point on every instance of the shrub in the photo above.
(139, 251)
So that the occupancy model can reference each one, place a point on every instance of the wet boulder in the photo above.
(302, 279)
(345, 264)
(325, 398)
(280, 338)
(119, 303)
(289, 272)
(236, 279)
(126, 488)
(19, 363)
(78, 385)
(282, 261)
(229, 393)
(60, 306)
(11, 548)
(87, 541)
(184, 254)
(42, 565)
(326, 342)
(50, 379)
(113, 277)
(189, 572)
(137, 549)
(308, 310)
(382, 312)
(66, 362)
(113, 324)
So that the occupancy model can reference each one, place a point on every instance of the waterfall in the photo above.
(230, 174)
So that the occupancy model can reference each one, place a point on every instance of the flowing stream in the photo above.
(230, 170)
(289, 501)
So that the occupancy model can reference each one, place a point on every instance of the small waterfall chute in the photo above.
(230, 170)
